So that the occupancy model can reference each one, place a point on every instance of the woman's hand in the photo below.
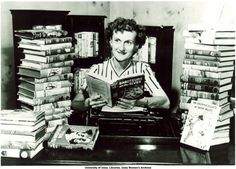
(126, 104)
(95, 101)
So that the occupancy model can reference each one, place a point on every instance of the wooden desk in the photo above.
(129, 150)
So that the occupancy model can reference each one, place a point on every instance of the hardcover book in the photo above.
(51, 58)
(40, 33)
(45, 41)
(21, 153)
(66, 76)
(49, 52)
(200, 125)
(45, 86)
(40, 65)
(21, 115)
(74, 137)
(41, 73)
(45, 47)
(129, 87)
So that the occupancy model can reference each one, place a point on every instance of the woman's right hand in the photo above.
(96, 101)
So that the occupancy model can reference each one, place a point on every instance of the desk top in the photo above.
(130, 150)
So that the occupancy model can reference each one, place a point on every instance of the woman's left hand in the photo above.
(126, 104)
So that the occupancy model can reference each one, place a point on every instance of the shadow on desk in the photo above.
(130, 150)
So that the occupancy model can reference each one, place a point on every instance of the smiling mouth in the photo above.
(121, 52)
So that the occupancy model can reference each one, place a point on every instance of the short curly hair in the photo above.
(122, 24)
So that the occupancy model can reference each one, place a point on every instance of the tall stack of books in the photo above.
(208, 73)
(22, 133)
(45, 72)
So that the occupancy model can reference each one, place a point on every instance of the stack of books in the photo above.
(147, 53)
(45, 73)
(87, 44)
(208, 73)
(22, 133)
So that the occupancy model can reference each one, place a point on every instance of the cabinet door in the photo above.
(164, 55)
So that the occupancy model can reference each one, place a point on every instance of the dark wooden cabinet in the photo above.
(26, 19)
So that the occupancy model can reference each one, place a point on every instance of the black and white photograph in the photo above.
(118, 84)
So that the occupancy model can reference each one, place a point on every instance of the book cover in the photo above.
(200, 125)
(74, 137)
(129, 87)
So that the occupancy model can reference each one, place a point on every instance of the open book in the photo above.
(128, 87)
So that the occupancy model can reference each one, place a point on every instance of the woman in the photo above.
(125, 37)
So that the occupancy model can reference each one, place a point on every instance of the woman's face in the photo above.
(123, 45)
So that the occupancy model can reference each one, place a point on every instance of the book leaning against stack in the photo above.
(22, 133)
(208, 73)
(45, 73)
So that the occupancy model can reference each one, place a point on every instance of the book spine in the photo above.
(52, 85)
(201, 62)
(203, 73)
(39, 65)
(54, 71)
(60, 104)
(52, 92)
(60, 58)
(44, 100)
(59, 77)
(200, 87)
(65, 114)
(201, 57)
(63, 50)
(27, 145)
(200, 94)
(57, 122)
(89, 44)
(21, 153)
(202, 52)
(57, 111)
(200, 80)
(57, 40)
(30, 138)
(206, 68)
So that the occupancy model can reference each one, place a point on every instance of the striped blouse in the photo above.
(107, 70)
